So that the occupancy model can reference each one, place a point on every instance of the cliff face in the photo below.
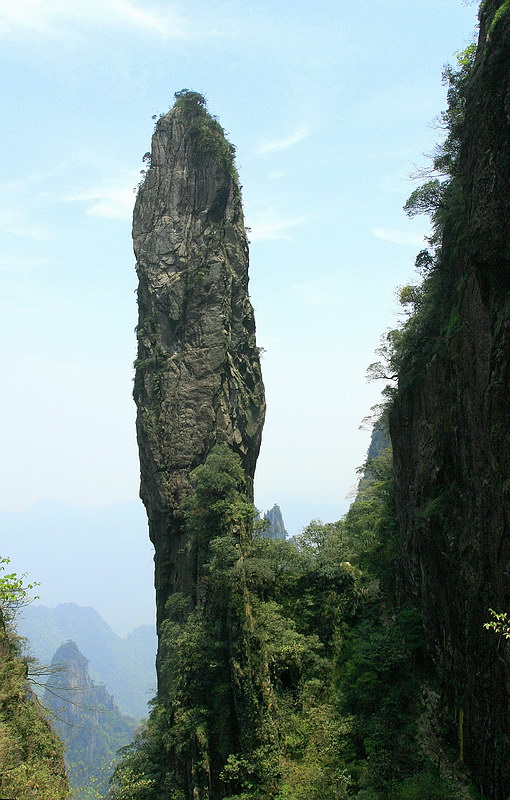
(87, 720)
(450, 429)
(198, 379)
(126, 666)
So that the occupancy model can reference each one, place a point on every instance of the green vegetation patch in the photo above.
(209, 138)
(286, 674)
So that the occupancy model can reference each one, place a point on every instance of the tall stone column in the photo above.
(198, 380)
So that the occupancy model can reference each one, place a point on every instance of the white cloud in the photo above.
(270, 227)
(21, 205)
(282, 144)
(276, 173)
(55, 17)
(399, 237)
(13, 219)
(113, 203)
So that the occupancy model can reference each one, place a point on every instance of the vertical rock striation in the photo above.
(198, 380)
(450, 429)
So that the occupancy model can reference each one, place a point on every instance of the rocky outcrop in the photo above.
(275, 524)
(126, 666)
(87, 720)
(450, 428)
(198, 381)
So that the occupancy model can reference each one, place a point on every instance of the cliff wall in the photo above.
(198, 381)
(450, 429)
(87, 720)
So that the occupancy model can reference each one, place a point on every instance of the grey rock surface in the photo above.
(276, 525)
(87, 720)
(198, 380)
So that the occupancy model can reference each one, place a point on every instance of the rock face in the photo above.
(276, 526)
(87, 720)
(451, 435)
(198, 380)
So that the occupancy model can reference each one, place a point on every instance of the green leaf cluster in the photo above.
(14, 591)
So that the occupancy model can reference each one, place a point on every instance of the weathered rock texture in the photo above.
(450, 429)
(198, 380)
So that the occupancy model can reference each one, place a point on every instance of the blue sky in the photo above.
(330, 105)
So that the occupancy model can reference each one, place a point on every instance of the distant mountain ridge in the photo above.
(92, 556)
(87, 720)
(126, 666)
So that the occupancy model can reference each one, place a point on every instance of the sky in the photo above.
(331, 106)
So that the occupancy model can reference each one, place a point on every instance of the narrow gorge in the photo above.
(353, 661)
(450, 419)
(366, 658)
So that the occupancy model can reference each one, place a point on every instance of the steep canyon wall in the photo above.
(450, 428)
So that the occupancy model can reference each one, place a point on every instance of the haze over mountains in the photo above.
(124, 665)
(99, 557)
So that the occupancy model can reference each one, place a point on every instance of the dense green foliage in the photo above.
(208, 136)
(31, 757)
(290, 674)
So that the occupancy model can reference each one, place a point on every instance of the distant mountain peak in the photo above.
(86, 718)
(276, 525)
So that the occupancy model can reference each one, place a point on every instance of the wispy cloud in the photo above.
(272, 227)
(282, 144)
(21, 207)
(13, 219)
(113, 203)
(399, 237)
(53, 17)
(276, 174)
